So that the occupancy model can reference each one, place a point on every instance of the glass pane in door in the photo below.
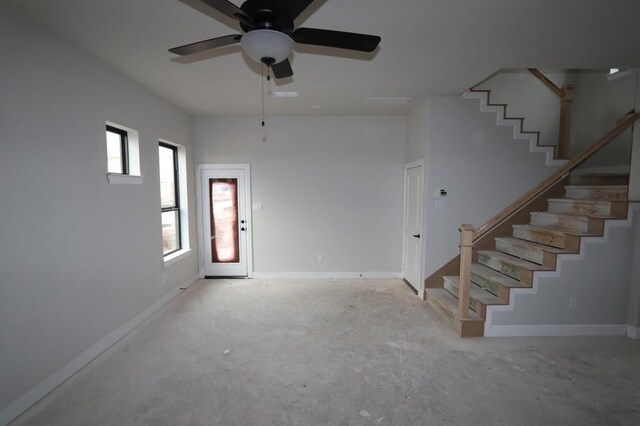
(223, 195)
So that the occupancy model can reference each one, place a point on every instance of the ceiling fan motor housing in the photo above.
(266, 15)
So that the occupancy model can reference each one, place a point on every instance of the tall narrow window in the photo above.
(169, 198)
(117, 151)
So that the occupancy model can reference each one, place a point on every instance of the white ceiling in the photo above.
(429, 47)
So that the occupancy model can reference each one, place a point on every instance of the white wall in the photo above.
(78, 256)
(598, 102)
(328, 185)
(633, 315)
(634, 174)
(480, 165)
(528, 97)
(598, 279)
(417, 128)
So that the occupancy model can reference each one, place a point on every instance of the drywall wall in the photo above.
(633, 315)
(79, 257)
(528, 97)
(479, 164)
(328, 185)
(590, 289)
(634, 174)
(416, 148)
(598, 102)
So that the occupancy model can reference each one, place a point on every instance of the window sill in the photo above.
(124, 179)
(174, 257)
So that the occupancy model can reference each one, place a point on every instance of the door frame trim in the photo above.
(248, 210)
(407, 166)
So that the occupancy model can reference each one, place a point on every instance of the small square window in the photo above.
(117, 151)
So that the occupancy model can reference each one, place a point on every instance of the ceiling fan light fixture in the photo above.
(260, 44)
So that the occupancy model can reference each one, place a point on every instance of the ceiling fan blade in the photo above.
(340, 39)
(293, 8)
(229, 9)
(282, 69)
(201, 46)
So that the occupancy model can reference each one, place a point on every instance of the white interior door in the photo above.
(225, 220)
(412, 238)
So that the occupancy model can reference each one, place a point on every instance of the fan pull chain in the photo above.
(262, 80)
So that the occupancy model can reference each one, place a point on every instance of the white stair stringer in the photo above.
(584, 296)
(499, 110)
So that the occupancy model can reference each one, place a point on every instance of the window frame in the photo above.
(176, 207)
(124, 147)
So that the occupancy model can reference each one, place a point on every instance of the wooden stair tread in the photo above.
(446, 301)
(507, 258)
(476, 292)
(493, 275)
(555, 230)
(533, 245)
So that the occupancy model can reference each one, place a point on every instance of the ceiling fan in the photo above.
(269, 34)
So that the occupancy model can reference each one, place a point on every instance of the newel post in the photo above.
(466, 247)
(566, 99)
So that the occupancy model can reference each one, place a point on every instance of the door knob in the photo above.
(416, 235)
(242, 221)
(242, 229)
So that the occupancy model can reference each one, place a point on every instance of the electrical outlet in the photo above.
(573, 302)
(320, 258)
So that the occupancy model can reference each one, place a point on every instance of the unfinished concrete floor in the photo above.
(348, 352)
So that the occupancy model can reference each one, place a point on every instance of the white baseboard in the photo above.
(556, 330)
(20, 405)
(633, 332)
(324, 275)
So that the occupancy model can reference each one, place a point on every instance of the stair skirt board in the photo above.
(491, 330)
(515, 123)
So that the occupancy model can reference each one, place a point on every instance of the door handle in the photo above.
(416, 235)
(242, 229)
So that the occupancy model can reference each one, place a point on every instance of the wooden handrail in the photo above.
(543, 78)
(522, 201)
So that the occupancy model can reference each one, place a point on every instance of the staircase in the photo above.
(589, 201)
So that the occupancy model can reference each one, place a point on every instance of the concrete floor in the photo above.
(348, 352)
